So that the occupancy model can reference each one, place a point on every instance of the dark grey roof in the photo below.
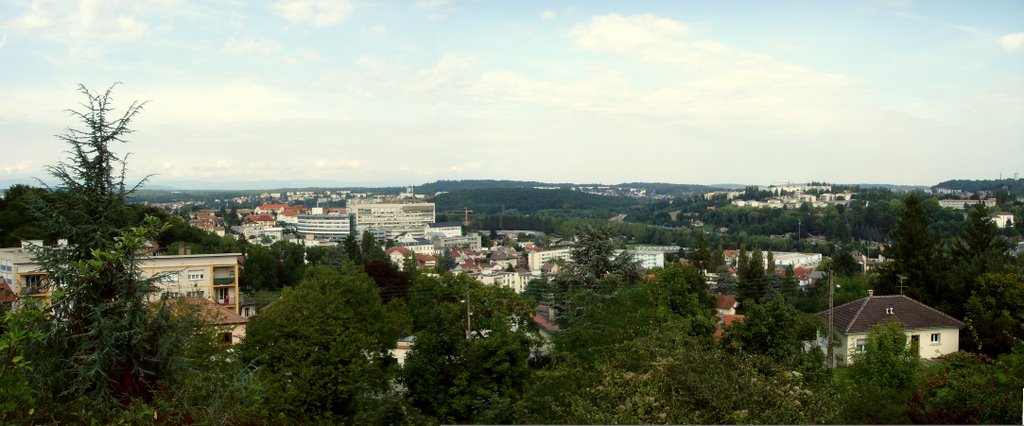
(859, 315)
(444, 224)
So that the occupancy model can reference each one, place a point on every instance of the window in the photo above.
(196, 293)
(936, 338)
(223, 296)
(171, 295)
(226, 337)
(195, 275)
(861, 344)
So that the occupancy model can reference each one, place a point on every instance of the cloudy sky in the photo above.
(406, 92)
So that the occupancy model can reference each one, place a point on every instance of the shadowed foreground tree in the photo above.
(103, 343)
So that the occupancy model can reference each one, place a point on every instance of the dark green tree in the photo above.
(352, 250)
(995, 314)
(104, 343)
(978, 250)
(468, 370)
(917, 257)
(321, 350)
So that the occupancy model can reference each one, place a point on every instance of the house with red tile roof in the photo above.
(269, 208)
(261, 220)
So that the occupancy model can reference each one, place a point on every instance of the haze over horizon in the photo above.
(404, 93)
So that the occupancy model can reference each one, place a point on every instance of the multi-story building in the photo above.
(332, 226)
(537, 259)
(388, 220)
(209, 276)
(443, 229)
(647, 259)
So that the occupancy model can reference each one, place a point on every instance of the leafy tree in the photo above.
(103, 340)
(16, 222)
(668, 377)
(995, 313)
(887, 361)
(967, 388)
(260, 271)
(321, 351)
(467, 372)
(883, 377)
(844, 264)
(776, 329)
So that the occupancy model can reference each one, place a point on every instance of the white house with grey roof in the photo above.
(934, 332)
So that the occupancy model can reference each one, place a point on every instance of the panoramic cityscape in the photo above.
(447, 211)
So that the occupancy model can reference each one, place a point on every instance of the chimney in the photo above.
(181, 250)
(188, 250)
(871, 293)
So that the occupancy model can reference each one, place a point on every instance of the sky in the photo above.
(371, 93)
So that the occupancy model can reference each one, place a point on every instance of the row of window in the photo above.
(936, 339)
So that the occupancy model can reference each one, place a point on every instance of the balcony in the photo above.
(224, 281)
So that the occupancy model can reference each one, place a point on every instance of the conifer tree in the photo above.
(103, 342)
(916, 254)
(978, 250)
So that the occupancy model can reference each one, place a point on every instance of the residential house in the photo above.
(933, 332)
(1002, 219)
(230, 325)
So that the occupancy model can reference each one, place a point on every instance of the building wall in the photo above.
(324, 226)
(949, 342)
(392, 219)
(537, 259)
(215, 275)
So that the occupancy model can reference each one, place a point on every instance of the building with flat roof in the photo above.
(331, 226)
(388, 220)
(537, 259)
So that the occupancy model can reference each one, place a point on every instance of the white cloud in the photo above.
(548, 15)
(1012, 42)
(619, 33)
(451, 68)
(320, 13)
(249, 46)
(432, 4)
(91, 21)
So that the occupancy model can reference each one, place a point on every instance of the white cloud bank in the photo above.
(1012, 42)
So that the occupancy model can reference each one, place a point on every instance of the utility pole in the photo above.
(469, 327)
(901, 286)
(831, 305)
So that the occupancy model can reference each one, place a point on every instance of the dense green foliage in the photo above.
(321, 350)
(527, 200)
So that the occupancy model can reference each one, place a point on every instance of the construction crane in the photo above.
(465, 218)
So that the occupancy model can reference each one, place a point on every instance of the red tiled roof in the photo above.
(216, 314)
(725, 301)
(399, 249)
(6, 294)
(259, 218)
